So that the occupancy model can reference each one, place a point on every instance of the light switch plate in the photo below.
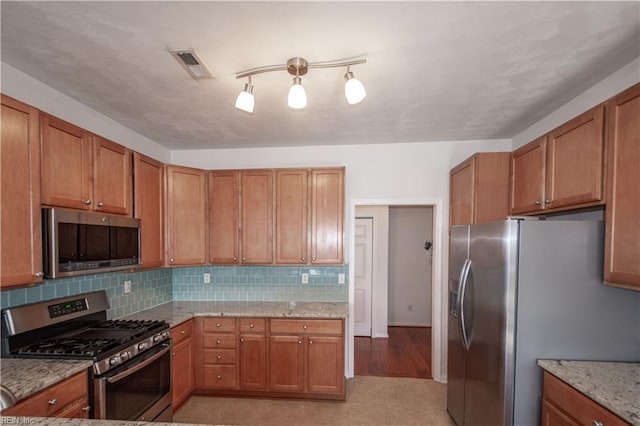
(127, 286)
(305, 278)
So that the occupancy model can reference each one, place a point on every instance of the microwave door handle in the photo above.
(138, 367)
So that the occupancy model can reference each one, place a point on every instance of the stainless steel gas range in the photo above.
(131, 374)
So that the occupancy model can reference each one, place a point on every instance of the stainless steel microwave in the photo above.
(77, 242)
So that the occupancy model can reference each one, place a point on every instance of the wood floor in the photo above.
(406, 353)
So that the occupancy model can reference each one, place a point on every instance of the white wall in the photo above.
(24, 88)
(622, 79)
(409, 266)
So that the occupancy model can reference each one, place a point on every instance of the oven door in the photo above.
(138, 390)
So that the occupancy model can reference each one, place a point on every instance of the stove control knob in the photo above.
(142, 346)
(124, 356)
(114, 360)
(166, 334)
(157, 338)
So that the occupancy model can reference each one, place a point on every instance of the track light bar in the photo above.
(297, 99)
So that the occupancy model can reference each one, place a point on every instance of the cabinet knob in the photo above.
(597, 423)
(548, 201)
(538, 202)
(242, 339)
(313, 259)
(302, 259)
(86, 202)
(173, 354)
(53, 401)
(218, 324)
(183, 332)
(219, 377)
(100, 204)
(299, 342)
(310, 342)
(235, 259)
(39, 274)
(304, 326)
(251, 325)
(171, 260)
(244, 258)
(87, 408)
(218, 341)
(218, 357)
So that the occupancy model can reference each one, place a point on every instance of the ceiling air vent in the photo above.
(191, 63)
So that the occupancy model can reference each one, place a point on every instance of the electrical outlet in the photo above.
(206, 277)
(305, 278)
(127, 286)
(341, 278)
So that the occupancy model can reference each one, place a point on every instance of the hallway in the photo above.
(406, 353)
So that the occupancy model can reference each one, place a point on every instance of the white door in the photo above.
(363, 275)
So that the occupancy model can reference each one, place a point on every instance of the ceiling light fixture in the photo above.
(297, 98)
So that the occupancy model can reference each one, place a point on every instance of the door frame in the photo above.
(439, 323)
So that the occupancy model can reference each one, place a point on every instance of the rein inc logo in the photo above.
(16, 420)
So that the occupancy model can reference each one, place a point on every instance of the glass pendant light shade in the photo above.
(245, 100)
(297, 96)
(353, 89)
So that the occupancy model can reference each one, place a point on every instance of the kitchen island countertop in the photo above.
(614, 385)
(180, 311)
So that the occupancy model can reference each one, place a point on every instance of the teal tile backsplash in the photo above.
(151, 288)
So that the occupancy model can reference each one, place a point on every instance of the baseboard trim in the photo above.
(409, 324)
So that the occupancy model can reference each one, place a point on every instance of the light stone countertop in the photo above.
(614, 385)
(26, 376)
(178, 312)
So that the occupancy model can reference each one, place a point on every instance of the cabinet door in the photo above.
(182, 371)
(253, 362)
(257, 216)
(286, 363)
(112, 180)
(575, 161)
(325, 364)
(327, 215)
(461, 193)
(224, 198)
(291, 216)
(622, 243)
(20, 219)
(149, 208)
(491, 187)
(551, 416)
(527, 177)
(186, 216)
(66, 164)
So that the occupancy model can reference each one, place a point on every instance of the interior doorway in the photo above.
(393, 274)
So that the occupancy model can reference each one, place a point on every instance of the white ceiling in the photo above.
(435, 70)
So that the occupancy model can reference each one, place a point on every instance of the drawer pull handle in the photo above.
(53, 401)
(87, 408)
(597, 423)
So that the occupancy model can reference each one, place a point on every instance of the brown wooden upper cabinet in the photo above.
(562, 170)
(327, 215)
(148, 175)
(241, 216)
(20, 220)
(479, 189)
(292, 216)
(186, 216)
(83, 171)
(622, 242)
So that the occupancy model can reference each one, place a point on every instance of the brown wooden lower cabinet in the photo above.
(300, 358)
(182, 365)
(68, 398)
(565, 406)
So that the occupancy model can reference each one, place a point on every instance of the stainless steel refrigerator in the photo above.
(519, 291)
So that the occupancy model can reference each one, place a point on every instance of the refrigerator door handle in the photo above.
(464, 276)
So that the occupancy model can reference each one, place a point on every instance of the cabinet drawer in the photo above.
(306, 326)
(252, 325)
(577, 405)
(219, 325)
(53, 400)
(219, 356)
(182, 332)
(219, 341)
(219, 376)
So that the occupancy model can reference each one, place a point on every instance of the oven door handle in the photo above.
(138, 367)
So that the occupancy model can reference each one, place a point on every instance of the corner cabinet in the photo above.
(479, 189)
(83, 171)
(148, 175)
(622, 241)
(562, 170)
(20, 219)
(186, 216)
